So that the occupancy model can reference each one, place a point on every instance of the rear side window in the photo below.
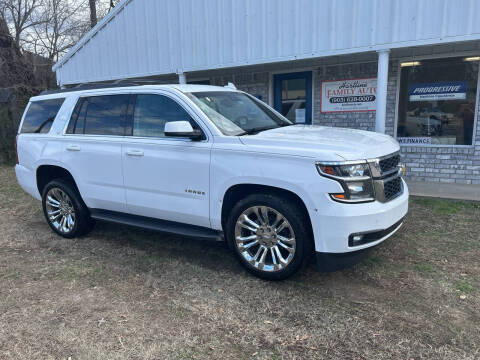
(40, 115)
(152, 112)
(77, 121)
(100, 115)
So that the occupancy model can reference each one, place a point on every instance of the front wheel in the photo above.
(269, 235)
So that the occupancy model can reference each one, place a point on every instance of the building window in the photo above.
(437, 101)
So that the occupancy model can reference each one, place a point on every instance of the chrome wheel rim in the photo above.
(265, 238)
(60, 210)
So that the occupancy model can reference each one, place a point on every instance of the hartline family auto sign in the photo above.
(349, 95)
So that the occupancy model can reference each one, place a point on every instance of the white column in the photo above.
(382, 81)
(182, 78)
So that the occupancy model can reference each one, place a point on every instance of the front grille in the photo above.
(389, 164)
(392, 188)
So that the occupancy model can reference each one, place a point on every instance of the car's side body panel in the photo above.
(96, 163)
(186, 181)
(167, 179)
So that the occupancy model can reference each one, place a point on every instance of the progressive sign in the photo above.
(451, 90)
(350, 95)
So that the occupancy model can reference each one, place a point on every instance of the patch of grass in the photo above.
(423, 268)
(464, 287)
(69, 274)
(445, 207)
(185, 355)
(79, 271)
(373, 261)
(149, 259)
(468, 244)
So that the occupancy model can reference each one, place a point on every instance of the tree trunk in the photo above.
(93, 13)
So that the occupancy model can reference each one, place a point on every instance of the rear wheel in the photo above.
(269, 235)
(64, 209)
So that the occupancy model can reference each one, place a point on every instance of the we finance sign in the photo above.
(450, 90)
(350, 95)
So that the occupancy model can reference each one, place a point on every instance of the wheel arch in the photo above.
(46, 173)
(238, 191)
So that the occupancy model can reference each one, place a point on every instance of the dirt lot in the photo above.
(125, 293)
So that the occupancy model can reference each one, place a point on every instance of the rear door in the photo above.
(165, 178)
(93, 149)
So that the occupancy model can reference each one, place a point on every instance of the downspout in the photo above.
(382, 84)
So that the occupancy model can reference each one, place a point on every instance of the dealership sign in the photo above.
(450, 90)
(349, 95)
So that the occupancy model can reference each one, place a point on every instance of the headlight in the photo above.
(355, 178)
(345, 171)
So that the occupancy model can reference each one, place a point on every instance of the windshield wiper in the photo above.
(257, 130)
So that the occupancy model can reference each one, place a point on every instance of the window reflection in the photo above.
(105, 115)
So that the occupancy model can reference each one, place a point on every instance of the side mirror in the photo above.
(182, 129)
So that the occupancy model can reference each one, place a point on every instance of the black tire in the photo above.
(83, 222)
(295, 216)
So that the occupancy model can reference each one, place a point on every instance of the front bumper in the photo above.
(327, 262)
(333, 223)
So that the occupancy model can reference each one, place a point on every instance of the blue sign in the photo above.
(448, 90)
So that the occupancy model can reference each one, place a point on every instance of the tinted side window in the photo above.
(40, 115)
(152, 112)
(105, 115)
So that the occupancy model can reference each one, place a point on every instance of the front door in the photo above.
(165, 178)
(293, 96)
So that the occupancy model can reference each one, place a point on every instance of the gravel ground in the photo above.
(124, 293)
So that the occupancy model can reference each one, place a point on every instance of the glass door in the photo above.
(293, 96)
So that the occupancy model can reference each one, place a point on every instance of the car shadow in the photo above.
(203, 253)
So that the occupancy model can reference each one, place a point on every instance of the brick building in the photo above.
(407, 68)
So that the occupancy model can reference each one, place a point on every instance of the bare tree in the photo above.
(20, 15)
(93, 12)
(59, 29)
(102, 9)
(51, 27)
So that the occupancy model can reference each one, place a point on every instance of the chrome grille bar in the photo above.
(386, 177)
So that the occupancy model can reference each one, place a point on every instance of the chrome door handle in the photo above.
(134, 152)
(73, 148)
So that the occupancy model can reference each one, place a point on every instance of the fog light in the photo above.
(357, 238)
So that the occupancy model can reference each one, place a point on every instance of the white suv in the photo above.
(211, 162)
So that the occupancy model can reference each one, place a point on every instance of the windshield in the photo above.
(236, 113)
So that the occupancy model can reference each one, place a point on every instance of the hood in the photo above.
(323, 143)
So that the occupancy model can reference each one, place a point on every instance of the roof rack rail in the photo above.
(94, 87)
